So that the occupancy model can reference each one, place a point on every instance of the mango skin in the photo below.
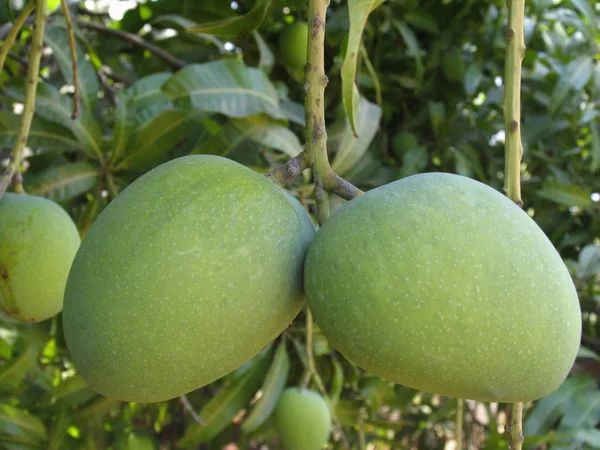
(302, 420)
(38, 242)
(185, 276)
(440, 283)
(453, 66)
(293, 45)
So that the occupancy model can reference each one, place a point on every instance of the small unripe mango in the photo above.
(453, 66)
(441, 283)
(185, 276)
(302, 419)
(38, 241)
(293, 45)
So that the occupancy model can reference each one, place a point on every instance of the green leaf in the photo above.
(566, 194)
(348, 148)
(236, 27)
(574, 76)
(123, 126)
(337, 382)
(359, 11)
(182, 24)
(266, 59)
(422, 20)
(270, 134)
(218, 413)
(158, 137)
(589, 15)
(146, 100)
(272, 387)
(57, 108)
(595, 146)
(437, 115)
(42, 135)
(549, 409)
(64, 182)
(472, 79)
(57, 39)
(588, 263)
(15, 370)
(227, 87)
(590, 437)
(16, 422)
(414, 49)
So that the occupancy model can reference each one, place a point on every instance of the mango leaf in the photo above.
(589, 15)
(359, 11)
(180, 23)
(595, 146)
(56, 108)
(247, 136)
(337, 382)
(218, 413)
(472, 79)
(566, 194)
(57, 39)
(236, 27)
(422, 20)
(549, 409)
(266, 59)
(272, 387)
(123, 126)
(16, 422)
(146, 100)
(414, 50)
(5, 349)
(158, 137)
(64, 182)
(574, 76)
(348, 148)
(227, 87)
(588, 263)
(42, 135)
(590, 437)
(14, 371)
(59, 432)
(580, 412)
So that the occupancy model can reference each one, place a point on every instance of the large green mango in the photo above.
(38, 241)
(440, 283)
(186, 275)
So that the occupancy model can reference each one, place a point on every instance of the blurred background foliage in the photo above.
(430, 78)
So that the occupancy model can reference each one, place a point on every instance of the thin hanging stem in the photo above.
(515, 51)
(35, 54)
(12, 36)
(73, 49)
(459, 423)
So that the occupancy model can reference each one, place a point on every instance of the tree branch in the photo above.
(173, 61)
(35, 55)
(12, 35)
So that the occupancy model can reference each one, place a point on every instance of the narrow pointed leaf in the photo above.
(565, 194)
(239, 26)
(350, 149)
(218, 413)
(16, 422)
(14, 371)
(227, 87)
(359, 11)
(63, 182)
(272, 387)
(42, 135)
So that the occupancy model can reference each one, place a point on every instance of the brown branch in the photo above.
(344, 188)
(73, 49)
(290, 169)
(173, 61)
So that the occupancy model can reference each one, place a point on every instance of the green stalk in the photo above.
(35, 54)
(459, 423)
(515, 51)
(12, 36)
(316, 81)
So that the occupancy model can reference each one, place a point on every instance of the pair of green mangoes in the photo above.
(436, 281)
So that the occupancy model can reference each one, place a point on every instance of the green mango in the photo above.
(453, 66)
(442, 284)
(38, 241)
(302, 419)
(136, 441)
(293, 45)
(185, 276)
